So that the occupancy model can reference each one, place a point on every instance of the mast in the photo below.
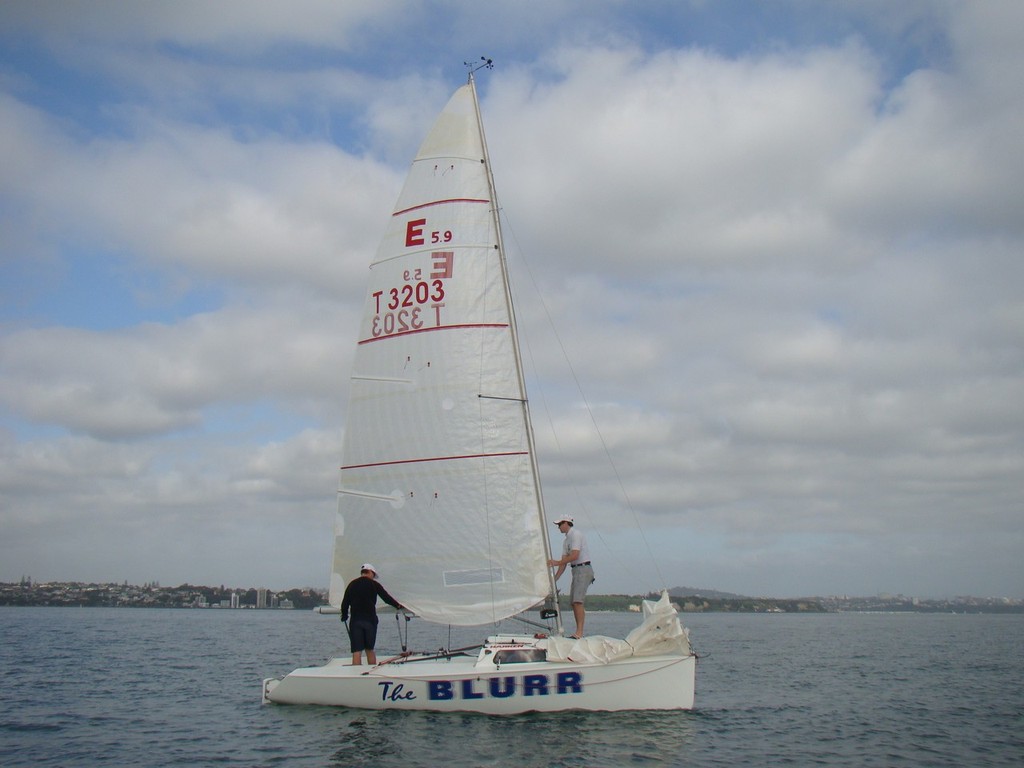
(513, 327)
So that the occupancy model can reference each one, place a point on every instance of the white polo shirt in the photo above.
(575, 539)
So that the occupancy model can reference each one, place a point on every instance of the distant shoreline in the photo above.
(688, 600)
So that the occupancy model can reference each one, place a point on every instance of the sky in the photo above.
(767, 259)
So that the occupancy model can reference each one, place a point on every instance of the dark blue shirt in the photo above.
(361, 597)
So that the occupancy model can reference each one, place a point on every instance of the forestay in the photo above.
(437, 478)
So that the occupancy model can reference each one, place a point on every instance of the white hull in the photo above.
(464, 684)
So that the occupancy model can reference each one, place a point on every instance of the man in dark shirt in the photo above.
(361, 598)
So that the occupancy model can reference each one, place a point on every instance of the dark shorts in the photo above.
(363, 634)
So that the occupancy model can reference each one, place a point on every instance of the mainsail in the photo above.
(438, 477)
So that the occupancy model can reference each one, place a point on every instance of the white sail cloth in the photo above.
(659, 633)
(437, 480)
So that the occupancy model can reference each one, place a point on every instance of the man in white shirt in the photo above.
(576, 555)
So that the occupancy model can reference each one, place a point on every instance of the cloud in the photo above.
(182, 197)
(156, 379)
(787, 276)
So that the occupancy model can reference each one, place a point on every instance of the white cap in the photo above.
(561, 520)
(369, 567)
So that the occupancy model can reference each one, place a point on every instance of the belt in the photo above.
(577, 565)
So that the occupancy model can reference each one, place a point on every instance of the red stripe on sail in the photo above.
(434, 328)
(441, 202)
(436, 458)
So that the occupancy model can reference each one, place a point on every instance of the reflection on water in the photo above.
(394, 738)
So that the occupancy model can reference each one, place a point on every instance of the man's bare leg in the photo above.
(580, 615)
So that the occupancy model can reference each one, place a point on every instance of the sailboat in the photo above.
(439, 481)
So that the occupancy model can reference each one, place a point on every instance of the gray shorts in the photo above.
(582, 578)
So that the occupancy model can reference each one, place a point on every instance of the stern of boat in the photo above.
(269, 684)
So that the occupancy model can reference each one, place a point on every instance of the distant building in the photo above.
(261, 598)
(236, 600)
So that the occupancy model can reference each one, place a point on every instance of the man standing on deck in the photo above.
(361, 597)
(576, 555)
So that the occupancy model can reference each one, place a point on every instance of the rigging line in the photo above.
(543, 395)
(489, 536)
(485, 474)
(590, 413)
(542, 392)
(573, 481)
(527, 437)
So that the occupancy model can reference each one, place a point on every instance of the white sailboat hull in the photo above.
(461, 685)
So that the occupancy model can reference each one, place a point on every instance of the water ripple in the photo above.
(174, 688)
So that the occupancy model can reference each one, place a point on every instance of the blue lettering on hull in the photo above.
(499, 687)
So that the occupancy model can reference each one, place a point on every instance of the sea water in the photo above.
(152, 687)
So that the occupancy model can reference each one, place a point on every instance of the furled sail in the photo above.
(438, 484)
